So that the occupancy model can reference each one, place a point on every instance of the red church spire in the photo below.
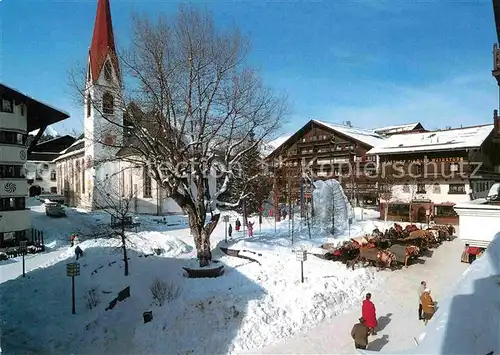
(103, 41)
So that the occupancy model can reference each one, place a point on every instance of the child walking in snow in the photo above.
(237, 224)
(230, 231)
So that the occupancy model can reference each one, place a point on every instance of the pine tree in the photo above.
(250, 180)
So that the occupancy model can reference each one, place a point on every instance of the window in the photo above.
(12, 137)
(406, 188)
(457, 189)
(444, 211)
(45, 166)
(108, 71)
(453, 167)
(53, 190)
(53, 175)
(12, 204)
(83, 177)
(22, 109)
(7, 106)
(122, 183)
(147, 183)
(77, 176)
(89, 105)
(421, 189)
(436, 188)
(108, 103)
(11, 171)
(418, 170)
(399, 209)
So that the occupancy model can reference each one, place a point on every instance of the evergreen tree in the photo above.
(250, 180)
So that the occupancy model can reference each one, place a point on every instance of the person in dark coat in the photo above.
(359, 334)
(237, 224)
(369, 314)
(78, 252)
(230, 231)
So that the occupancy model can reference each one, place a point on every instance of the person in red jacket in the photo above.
(369, 314)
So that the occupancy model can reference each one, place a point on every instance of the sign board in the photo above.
(349, 221)
(73, 269)
(301, 255)
(226, 219)
(22, 246)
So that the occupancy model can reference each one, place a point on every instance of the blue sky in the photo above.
(372, 62)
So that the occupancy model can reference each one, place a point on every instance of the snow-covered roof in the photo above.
(397, 128)
(459, 138)
(74, 149)
(49, 131)
(366, 136)
(269, 147)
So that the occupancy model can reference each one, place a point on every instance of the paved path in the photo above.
(397, 308)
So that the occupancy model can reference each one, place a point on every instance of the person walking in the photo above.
(237, 224)
(427, 305)
(250, 228)
(230, 231)
(359, 334)
(421, 290)
(369, 313)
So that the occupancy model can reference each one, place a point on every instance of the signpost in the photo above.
(72, 270)
(349, 222)
(301, 255)
(226, 219)
(23, 249)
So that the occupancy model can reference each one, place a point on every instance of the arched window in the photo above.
(108, 71)
(89, 104)
(108, 103)
(436, 188)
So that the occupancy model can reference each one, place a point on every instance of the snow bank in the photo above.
(468, 321)
(326, 192)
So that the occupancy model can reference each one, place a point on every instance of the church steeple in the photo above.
(103, 42)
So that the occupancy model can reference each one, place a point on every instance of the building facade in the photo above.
(425, 174)
(41, 170)
(322, 151)
(19, 114)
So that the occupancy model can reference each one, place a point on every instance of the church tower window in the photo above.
(89, 104)
(108, 71)
(108, 103)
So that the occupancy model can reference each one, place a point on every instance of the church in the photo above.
(88, 172)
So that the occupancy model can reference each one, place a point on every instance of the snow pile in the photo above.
(329, 198)
(250, 306)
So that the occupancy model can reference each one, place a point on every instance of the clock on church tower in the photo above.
(110, 139)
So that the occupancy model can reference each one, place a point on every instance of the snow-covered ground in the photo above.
(249, 307)
(396, 302)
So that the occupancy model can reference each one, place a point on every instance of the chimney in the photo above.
(496, 121)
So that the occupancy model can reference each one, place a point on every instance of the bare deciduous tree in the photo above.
(191, 106)
(119, 205)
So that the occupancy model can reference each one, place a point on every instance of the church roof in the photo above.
(103, 41)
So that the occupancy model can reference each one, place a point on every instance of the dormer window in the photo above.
(108, 71)
(108, 103)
